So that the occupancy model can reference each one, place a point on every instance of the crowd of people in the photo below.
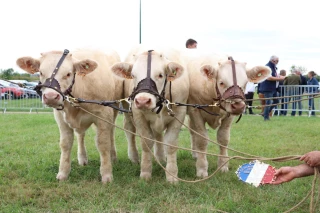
(270, 88)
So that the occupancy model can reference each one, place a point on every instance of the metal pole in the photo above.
(140, 25)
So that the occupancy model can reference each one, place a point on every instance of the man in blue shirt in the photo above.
(269, 87)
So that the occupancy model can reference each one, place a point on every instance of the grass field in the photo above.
(29, 159)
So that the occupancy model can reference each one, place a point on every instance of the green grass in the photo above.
(29, 160)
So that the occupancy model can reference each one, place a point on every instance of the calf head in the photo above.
(225, 83)
(149, 76)
(63, 76)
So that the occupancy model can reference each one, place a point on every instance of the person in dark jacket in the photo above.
(269, 87)
(303, 81)
(262, 101)
(292, 82)
(281, 93)
(312, 82)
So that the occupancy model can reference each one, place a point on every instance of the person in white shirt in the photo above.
(249, 92)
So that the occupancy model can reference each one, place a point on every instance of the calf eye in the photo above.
(68, 75)
(160, 75)
(40, 73)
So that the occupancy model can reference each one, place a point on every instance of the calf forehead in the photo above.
(49, 62)
(140, 67)
(226, 74)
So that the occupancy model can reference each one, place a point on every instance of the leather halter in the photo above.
(149, 86)
(52, 83)
(233, 92)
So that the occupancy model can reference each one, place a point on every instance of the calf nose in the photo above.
(238, 107)
(142, 103)
(50, 97)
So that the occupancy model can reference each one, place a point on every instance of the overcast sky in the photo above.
(249, 30)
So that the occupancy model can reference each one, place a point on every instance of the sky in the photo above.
(249, 30)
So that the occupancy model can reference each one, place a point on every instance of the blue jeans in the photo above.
(291, 92)
(311, 104)
(268, 109)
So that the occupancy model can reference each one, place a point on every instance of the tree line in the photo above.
(10, 74)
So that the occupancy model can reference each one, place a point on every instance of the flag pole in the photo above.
(140, 24)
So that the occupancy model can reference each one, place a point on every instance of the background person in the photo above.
(249, 92)
(262, 101)
(303, 83)
(312, 82)
(191, 44)
(281, 91)
(269, 87)
(293, 81)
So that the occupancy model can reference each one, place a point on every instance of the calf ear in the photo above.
(174, 71)
(258, 74)
(208, 71)
(28, 64)
(122, 70)
(84, 67)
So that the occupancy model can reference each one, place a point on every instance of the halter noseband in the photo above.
(149, 86)
(233, 92)
(52, 83)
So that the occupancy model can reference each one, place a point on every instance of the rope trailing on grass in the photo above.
(313, 203)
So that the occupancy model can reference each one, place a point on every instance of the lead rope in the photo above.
(279, 159)
(288, 102)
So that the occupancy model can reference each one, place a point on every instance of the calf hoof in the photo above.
(161, 159)
(202, 173)
(61, 176)
(106, 179)
(224, 169)
(83, 161)
(145, 175)
(194, 155)
(172, 180)
(114, 157)
(134, 159)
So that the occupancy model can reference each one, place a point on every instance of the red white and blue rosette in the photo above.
(256, 173)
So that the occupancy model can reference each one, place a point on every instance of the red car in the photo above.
(9, 90)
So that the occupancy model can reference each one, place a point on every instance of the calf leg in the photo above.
(199, 143)
(132, 147)
(223, 138)
(66, 142)
(103, 143)
(171, 138)
(113, 144)
(146, 158)
(82, 152)
(159, 148)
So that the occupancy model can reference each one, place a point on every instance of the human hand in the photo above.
(311, 158)
(284, 174)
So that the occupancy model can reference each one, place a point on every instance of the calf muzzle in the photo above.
(149, 86)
